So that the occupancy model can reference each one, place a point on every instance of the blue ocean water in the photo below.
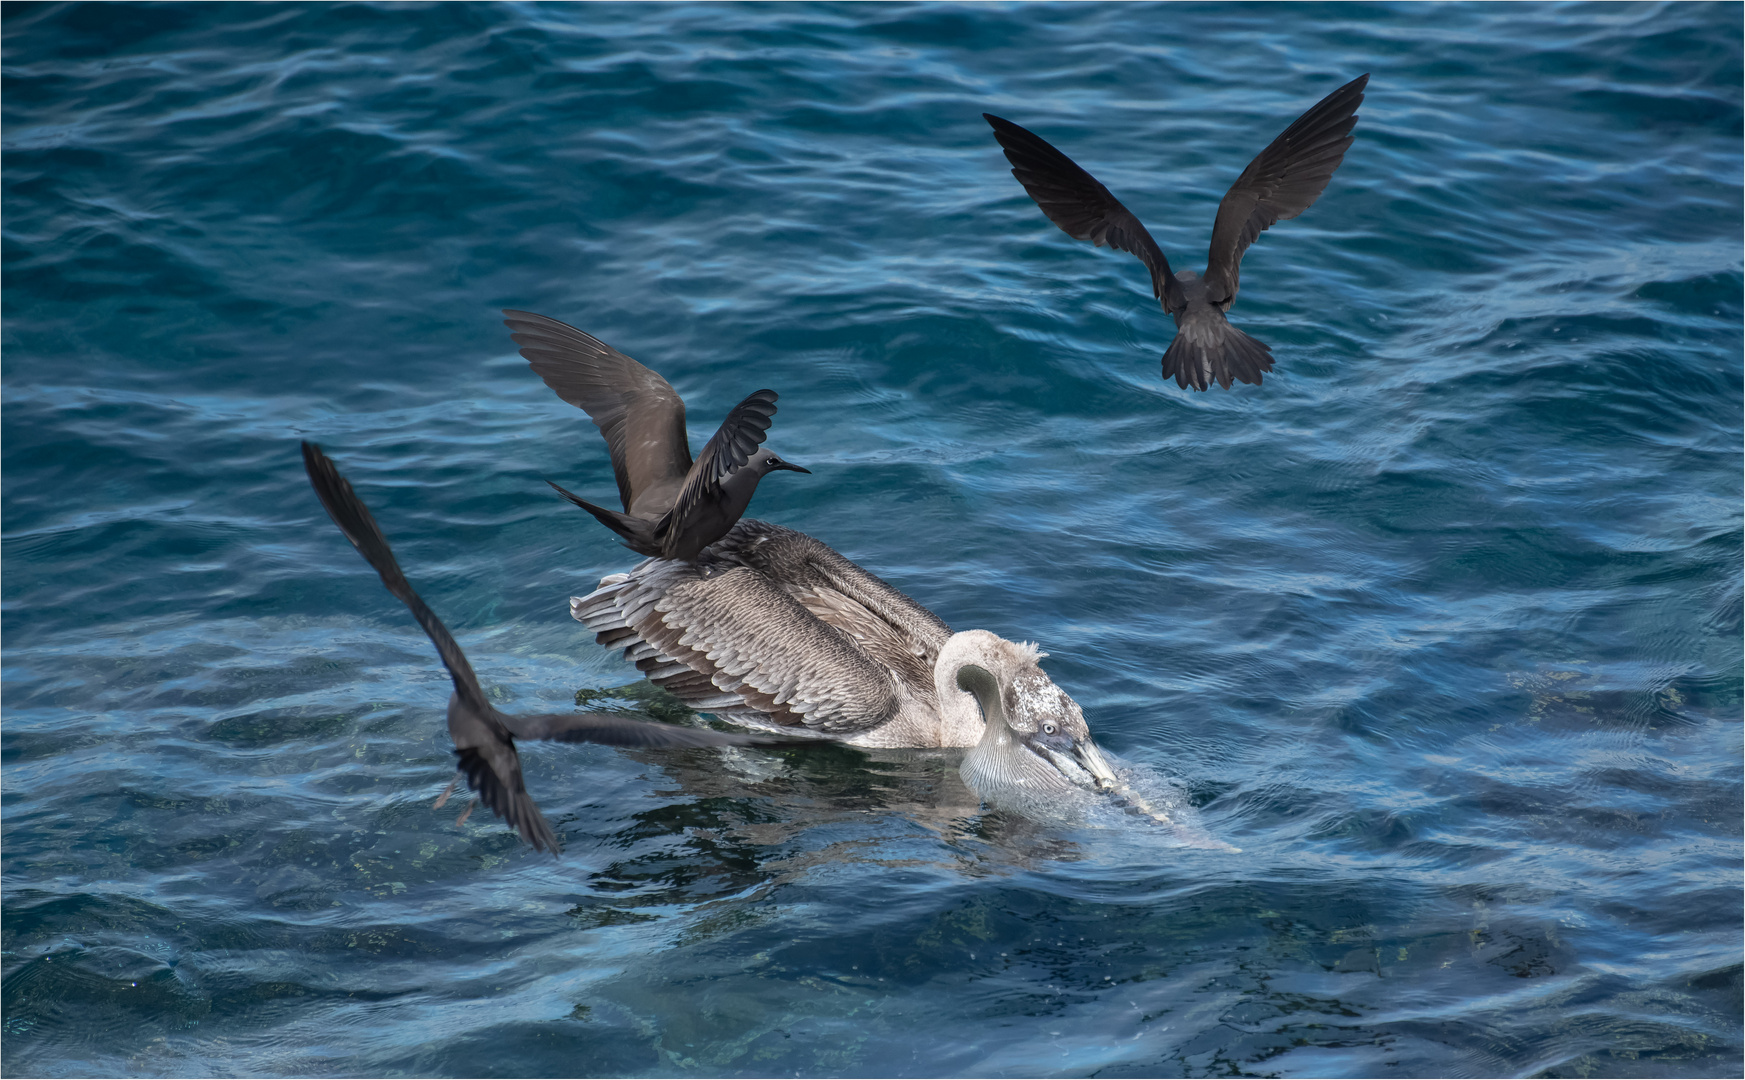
(1441, 625)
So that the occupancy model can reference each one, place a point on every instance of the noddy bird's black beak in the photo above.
(780, 464)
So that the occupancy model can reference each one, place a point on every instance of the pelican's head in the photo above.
(1034, 737)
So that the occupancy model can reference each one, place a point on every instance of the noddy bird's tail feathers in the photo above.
(1208, 349)
(638, 533)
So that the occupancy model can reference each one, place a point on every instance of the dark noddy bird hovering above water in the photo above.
(1281, 182)
(673, 508)
(484, 739)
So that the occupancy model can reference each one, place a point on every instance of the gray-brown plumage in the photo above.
(673, 507)
(771, 625)
(484, 738)
(1280, 183)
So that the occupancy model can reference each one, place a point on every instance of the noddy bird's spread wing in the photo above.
(483, 744)
(612, 729)
(485, 738)
(1281, 182)
(637, 411)
(355, 521)
(1083, 208)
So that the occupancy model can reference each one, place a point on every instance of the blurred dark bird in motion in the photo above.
(673, 508)
(1281, 182)
(484, 739)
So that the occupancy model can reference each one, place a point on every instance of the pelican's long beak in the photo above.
(1094, 763)
(1080, 763)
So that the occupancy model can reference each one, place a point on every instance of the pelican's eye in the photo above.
(1048, 729)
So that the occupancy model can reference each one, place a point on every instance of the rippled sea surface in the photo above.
(1440, 626)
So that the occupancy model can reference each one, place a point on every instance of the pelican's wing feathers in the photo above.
(731, 642)
(892, 628)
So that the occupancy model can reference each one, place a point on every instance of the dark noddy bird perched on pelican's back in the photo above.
(1281, 182)
(673, 508)
(484, 739)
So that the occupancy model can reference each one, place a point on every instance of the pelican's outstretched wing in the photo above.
(770, 626)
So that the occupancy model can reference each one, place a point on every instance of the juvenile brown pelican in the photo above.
(1281, 182)
(673, 508)
(484, 739)
(772, 629)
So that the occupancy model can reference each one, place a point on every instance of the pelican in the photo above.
(773, 630)
(1281, 182)
(484, 739)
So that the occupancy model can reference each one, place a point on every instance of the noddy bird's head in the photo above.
(765, 461)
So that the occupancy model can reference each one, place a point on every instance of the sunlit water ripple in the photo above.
(1440, 626)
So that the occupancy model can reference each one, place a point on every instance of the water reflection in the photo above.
(751, 818)
(737, 821)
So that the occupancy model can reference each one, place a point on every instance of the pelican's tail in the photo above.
(1208, 349)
